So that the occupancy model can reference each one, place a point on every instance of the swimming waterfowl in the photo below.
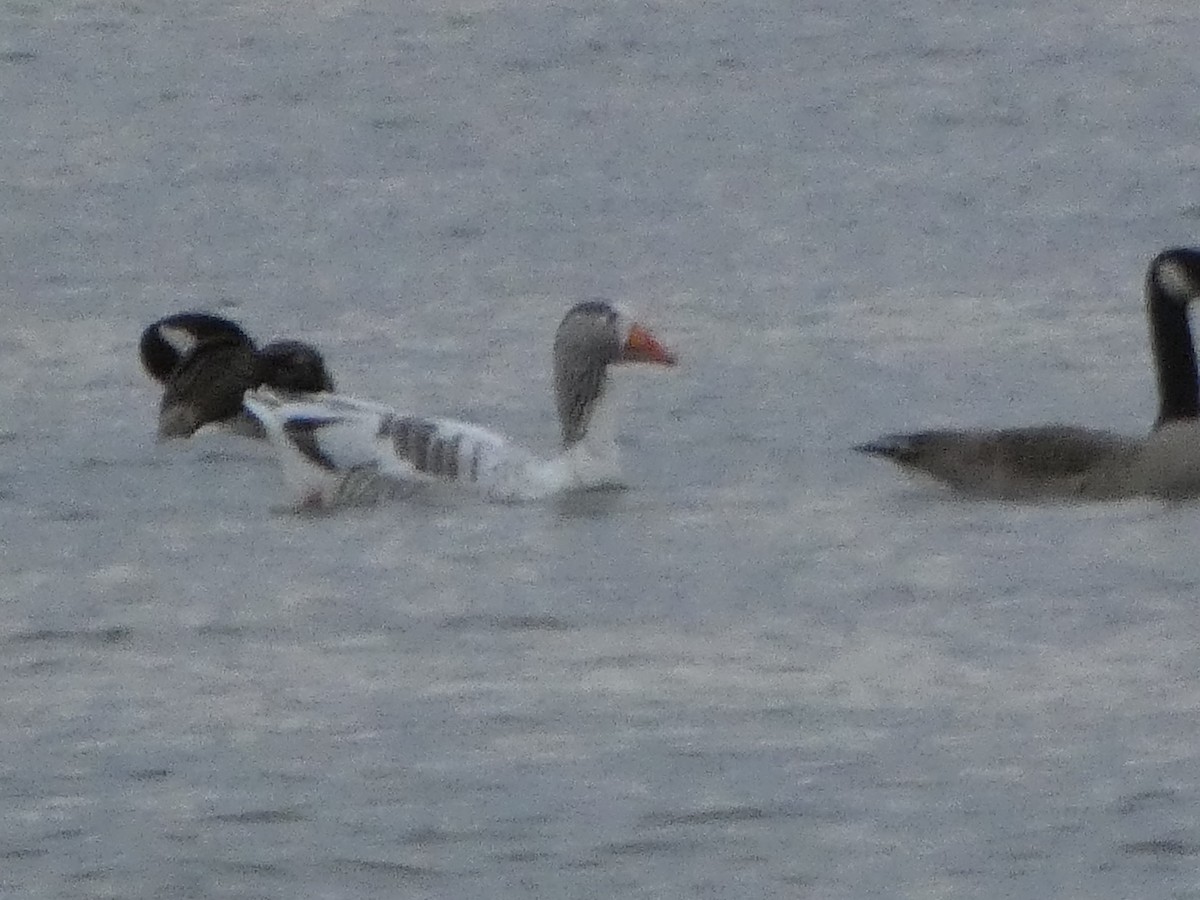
(1063, 461)
(328, 443)
(206, 363)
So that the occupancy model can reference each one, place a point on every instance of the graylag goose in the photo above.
(329, 444)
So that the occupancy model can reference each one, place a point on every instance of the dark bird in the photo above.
(206, 364)
(1065, 461)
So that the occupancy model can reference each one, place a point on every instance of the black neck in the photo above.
(159, 358)
(1174, 356)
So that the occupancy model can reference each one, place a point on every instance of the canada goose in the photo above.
(206, 363)
(1063, 461)
(328, 442)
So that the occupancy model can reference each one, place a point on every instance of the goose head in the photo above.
(293, 366)
(1172, 282)
(167, 342)
(592, 336)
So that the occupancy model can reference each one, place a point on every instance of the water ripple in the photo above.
(105, 637)
(1161, 847)
(506, 623)
(283, 815)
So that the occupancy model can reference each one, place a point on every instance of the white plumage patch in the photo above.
(1174, 279)
(337, 450)
(182, 340)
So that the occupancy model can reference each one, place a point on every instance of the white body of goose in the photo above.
(1068, 462)
(335, 449)
(206, 363)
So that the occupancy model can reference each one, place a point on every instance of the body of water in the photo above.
(772, 667)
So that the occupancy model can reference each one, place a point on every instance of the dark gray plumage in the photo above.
(207, 386)
(1063, 461)
(421, 442)
(207, 363)
(1059, 460)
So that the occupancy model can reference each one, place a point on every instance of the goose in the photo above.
(332, 447)
(206, 363)
(1066, 461)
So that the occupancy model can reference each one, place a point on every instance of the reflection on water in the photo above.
(605, 500)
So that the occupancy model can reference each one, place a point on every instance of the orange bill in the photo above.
(642, 346)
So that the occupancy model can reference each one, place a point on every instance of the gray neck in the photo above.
(578, 387)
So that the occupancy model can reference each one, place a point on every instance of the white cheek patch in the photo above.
(625, 321)
(1173, 278)
(181, 340)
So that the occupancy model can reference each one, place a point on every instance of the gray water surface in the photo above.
(771, 668)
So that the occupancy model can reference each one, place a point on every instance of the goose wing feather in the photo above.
(1049, 460)
(207, 386)
(327, 437)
